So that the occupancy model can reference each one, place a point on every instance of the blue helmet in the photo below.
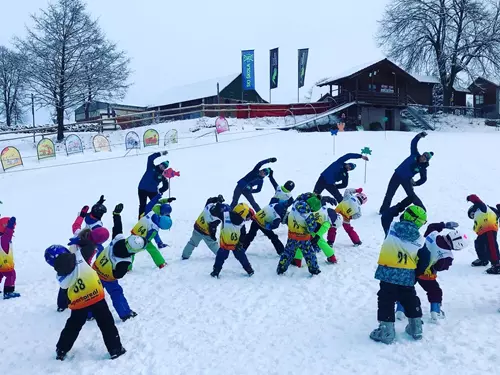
(165, 222)
(53, 252)
(165, 209)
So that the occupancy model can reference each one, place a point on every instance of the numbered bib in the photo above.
(297, 223)
(266, 216)
(86, 288)
(229, 234)
(396, 253)
(7, 260)
(485, 221)
(104, 266)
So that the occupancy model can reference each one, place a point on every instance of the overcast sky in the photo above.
(171, 43)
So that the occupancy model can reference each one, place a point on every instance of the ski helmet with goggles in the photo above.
(135, 243)
(243, 210)
(165, 209)
(98, 210)
(289, 186)
(456, 239)
(52, 252)
(362, 198)
(165, 222)
(471, 212)
(415, 214)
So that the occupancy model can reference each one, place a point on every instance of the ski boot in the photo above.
(215, 273)
(297, 263)
(132, 314)
(357, 244)
(331, 260)
(436, 312)
(250, 272)
(385, 333)
(400, 312)
(11, 295)
(414, 328)
(315, 272)
(493, 270)
(116, 353)
(163, 265)
(60, 355)
(479, 263)
(61, 309)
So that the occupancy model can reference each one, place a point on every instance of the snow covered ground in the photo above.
(189, 323)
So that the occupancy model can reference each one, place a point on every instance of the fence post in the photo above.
(248, 110)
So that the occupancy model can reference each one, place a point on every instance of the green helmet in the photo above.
(415, 214)
(314, 203)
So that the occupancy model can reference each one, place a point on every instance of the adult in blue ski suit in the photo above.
(252, 183)
(338, 171)
(403, 176)
(148, 186)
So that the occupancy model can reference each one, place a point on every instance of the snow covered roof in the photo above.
(426, 79)
(349, 72)
(196, 90)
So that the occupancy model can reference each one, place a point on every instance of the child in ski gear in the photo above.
(252, 183)
(231, 233)
(86, 295)
(7, 270)
(441, 249)
(403, 175)
(486, 227)
(148, 186)
(283, 193)
(402, 258)
(349, 209)
(205, 227)
(148, 227)
(266, 220)
(301, 226)
(325, 218)
(112, 264)
(337, 171)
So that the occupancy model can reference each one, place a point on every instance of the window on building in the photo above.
(372, 87)
(479, 99)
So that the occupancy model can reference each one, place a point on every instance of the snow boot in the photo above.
(11, 295)
(60, 355)
(479, 263)
(297, 263)
(414, 328)
(436, 312)
(163, 265)
(400, 312)
(250, 271)
(493, 270)
(331, 260)
(215, 274)
(60, 309)
(117, 352)
(315, 272)
(132, 314)
(384, 333)
(358, 244)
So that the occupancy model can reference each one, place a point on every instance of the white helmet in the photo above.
(135, 243)
(456, 239)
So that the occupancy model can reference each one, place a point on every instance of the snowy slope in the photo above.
(189, 323)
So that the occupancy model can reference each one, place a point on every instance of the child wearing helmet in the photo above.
(403, 257)
(301, 227)
(349, 209)
(231, 233)
(441, 247)
(283, 193)
(149, 227)
(112, 264)
(7, 270)
(205, 227)
(486, 227)
(153, 176)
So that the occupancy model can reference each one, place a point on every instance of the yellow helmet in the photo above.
(244, 211)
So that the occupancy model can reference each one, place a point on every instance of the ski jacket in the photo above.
(337, 172)
(252, 180)
(411, 166)
(153, 177)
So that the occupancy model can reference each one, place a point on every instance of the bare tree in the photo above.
(59, 50)
(448, 38)
(12, 86)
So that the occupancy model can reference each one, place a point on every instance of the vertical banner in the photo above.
(273, 64)
(248, 70)
(302, 65)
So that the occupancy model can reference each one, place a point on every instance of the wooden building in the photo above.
(486, 96)
(97, 110)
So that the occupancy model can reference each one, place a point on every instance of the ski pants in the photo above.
(307, 250)
(10, 281)
(77, 320)
(154, 253)
(486, 246)
(320, 246)
(239, 254)
(433, 290)
(238, 192)
(389, 294)
(321, 185)
(120, 303)
(394, 183)
(143, 197)
(194, 241)
(332, 233)
(254, 228)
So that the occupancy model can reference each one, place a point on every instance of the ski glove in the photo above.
(473, 198)
(327, 199)
(423, 134)
(451, 225)
(11, 223)
(273, 160)
(164, 152)
(170, 200)
(118, 209)
(101, 200)
(220, 198)
(84, 211)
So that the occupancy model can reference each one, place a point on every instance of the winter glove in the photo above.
(162, 245)
(220, 198)
(330, 200)
(164, 152)
(422, 134)
(364, 157)
(451, 225)
(74, 241)
(118, 209)
(170, 200)
(101, 200)
(359, 190)
(273, 160)
(473, 198)
(84, 211)
(11, 223)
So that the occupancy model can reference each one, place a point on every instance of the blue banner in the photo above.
(248, 70)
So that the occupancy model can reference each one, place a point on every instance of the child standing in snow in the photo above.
(301, 226)
(441, 258)
(205, 227)
(402, 258)
(486, 227)
(349, 209)
(148, 186)
(232, 231)
(7, 226)
(283, 194)
(112, 264)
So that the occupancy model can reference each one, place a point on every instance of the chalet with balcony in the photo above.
(486, 96)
